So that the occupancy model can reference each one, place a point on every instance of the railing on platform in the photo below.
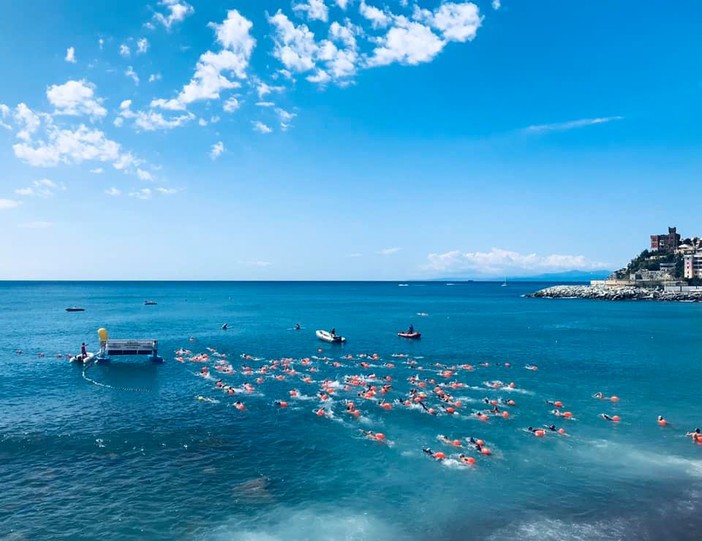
(131, 347)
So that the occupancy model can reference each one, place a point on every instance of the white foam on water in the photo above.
(548, 529)
(310, 524)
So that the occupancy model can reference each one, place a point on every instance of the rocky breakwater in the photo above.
(621, 293)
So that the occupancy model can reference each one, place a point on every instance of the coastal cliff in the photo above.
(624, 293)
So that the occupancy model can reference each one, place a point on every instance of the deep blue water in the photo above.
(128, 452)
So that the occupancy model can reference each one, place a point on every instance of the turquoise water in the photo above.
(126, 451)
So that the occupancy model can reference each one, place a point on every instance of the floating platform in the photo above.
(118, 348)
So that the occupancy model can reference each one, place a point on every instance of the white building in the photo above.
(692, 267)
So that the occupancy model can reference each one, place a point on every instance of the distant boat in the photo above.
(411, 335)
(422, 314)
(150, 303)
(329, 337)
(75, 309)
(402, 285)
(504, 284)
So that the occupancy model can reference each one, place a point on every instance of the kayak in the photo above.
(411, 335)
(327, 337)
(75, 309)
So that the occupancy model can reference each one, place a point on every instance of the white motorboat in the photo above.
(329, 337)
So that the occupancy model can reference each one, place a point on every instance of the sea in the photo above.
(131, 449)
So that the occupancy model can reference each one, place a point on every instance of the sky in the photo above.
(344, 139)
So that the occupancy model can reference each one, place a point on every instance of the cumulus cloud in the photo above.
(152, 120)
(496, 4)
(9, 204)
(72, 146)
(315, 9)
(75, 98)
(231, 105)
(70, 55)
(342, 3)
(331, 59)
(570, 125)
(285, 118)
(455, 22)
(124, 50)
(154, 77)
(132, 75)
(216, 150)
(211, 71)
(142, 45)
(498, 262)
(176, 11)
(41, 188)
(148, 193)
(260, 127)
(377, 17)
(407, 42)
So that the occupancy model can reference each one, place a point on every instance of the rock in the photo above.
(622, 293)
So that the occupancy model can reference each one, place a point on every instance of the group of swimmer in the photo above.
(432, 390)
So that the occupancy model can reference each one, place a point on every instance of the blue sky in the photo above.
(332, 139)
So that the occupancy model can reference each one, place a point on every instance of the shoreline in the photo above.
(622, 293)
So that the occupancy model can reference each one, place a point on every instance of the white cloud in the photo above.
(498, 262)
(97, 171)
(316, 10)
(41, 188)
(342, 3)
(456, 22)
(27, 121)
(217, 150)
(124, 50)
(389, 251)
(231, 105)
(265, 104)
(9, 204)
(143, 194)
(113, 192)
(147, 193)
(263, 89)
(142, 45)
(177, 12)
(154, 77)
(75, 98)
(285, 117)
(144, 175)
(36, 225)
(260, 127)
(570, 125)
(377, 17)
(5, 113)
(260, 264)
(496, 4)
(101, 43)
(132, 75)
(152, 120)
(71, 147)
(295, 46)
(209, 78)
(70, 55)
(407, 42)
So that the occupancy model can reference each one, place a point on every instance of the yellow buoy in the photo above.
(102, 333)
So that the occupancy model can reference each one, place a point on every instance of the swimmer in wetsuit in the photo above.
(606, 417)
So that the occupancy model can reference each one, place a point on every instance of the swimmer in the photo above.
(696, 435)
(437, 456)
(599, 396)
(662, 422)
(606, 417)
(466, 459)
(225, 326)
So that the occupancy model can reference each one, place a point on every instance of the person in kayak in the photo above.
(333, 333)
(411, 329)
(297, 326)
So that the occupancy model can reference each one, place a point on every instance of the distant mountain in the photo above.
(565, 276)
